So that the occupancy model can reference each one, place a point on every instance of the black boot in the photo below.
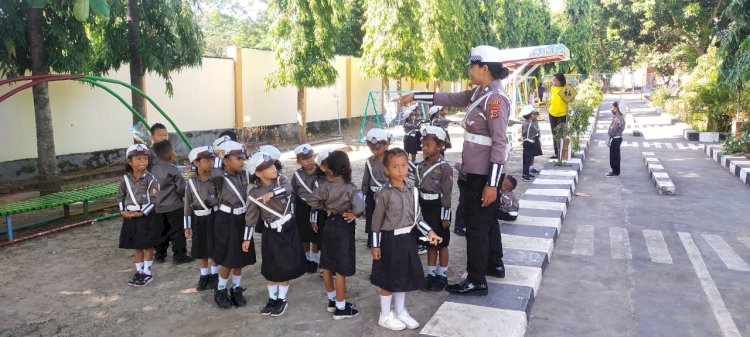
(221, 297)
(237, 299)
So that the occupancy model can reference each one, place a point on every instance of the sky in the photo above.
(555, 4)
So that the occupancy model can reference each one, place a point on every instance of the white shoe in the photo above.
(391, 322)
(405, 318)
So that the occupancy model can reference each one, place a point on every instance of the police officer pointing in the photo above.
(483, 157)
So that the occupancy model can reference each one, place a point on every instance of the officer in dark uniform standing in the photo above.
(483, 157)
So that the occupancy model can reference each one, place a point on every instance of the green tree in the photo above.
(43, 35)
(303, 33)
(448, 37)
(734, 51)
(348, 21)
(227, 24)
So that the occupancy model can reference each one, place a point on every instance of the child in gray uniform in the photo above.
(615, 139)
(396, 267)
(531, 145)
(343, 202)
(374, 177)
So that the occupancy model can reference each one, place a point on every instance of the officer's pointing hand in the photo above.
(489, 195)
(404, 100)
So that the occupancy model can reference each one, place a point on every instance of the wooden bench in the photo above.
(64, 199)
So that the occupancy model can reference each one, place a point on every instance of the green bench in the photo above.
(64, 199)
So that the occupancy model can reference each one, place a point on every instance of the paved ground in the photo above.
(629, 262)
(73, 283)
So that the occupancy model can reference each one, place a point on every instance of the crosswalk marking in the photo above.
(657, 247)
(745, 240)
(669, 145)
(646, 145)
(620, 242)
(726, 253)
(681, 146)
(584, 240)
(635, 144)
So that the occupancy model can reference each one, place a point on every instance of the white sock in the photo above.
(273, 292)
(332, 295)
(399, 302)
(204, 271)
(215, 269)
(147, 267)
(283, 290)
(316, 256)
(308, 255)
(139, 267)
(340, 305)
(385, 304)
(222, 283)
(431, 270)
(236, 281)
(443, 271)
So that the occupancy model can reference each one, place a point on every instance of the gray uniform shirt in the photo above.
(145, 191)
(206, 192)
(440, 122)
(617, 126)
(437, 181)
(226, 194)
(530, 130)
(337, 196)
(378, 172)
(279, 203)
(171, 186)
(300, 179)
(394, 208)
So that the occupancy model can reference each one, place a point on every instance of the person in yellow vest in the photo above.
(558, 108)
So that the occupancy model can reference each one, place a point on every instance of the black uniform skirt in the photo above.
(203, 236)
(229, 233)
(448, 143)
(369, 209)
(141, 233)
(431, 214)
(282, 257)
(399, 268)
(537, 150)
(302, 219)
(337, 240)
(413, 143)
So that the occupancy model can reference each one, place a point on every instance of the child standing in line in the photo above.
(508, 210)
(230, 231)
(281, 246)
(531, 145)
(437, 118)
(435, 184)
(396, 267)
(141, 230)
(170, 204)
(343, 202)
(275, 154)
(304, 182)
(412, 136)
(201, 204)
(374, 177)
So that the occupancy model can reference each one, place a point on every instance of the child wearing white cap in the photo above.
(437, 118)
(281, 246)
(531, 144)
(412, 136)
(373, 179)
(141, 230)
(304, 182)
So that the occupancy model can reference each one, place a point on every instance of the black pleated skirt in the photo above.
(431, 215)
(302, 219)
(141, 233)
(413, 144)
(229, 233)
(282, 256)
(399, 268)
(203, 236)
(337, 240)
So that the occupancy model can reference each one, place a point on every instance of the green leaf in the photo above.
(37, 3)
(81, 10)
(100, 8)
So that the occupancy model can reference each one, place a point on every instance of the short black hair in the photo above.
(162, 149)
(512, 180)
(157, 126)
(394, 152)
(338, 163)
(561, 78)
(232, 135)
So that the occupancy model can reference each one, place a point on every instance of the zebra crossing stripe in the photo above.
(681, 146)
(721, 313)
(583, 243)
(657, 247)
(726, 253)
(635, 144)
(646, 145)
(620, 242)
(669, 145)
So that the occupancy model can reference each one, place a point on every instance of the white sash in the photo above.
(472, 106)
(197, 196)
(372, 177)
(421, 176)
(236, 192)
(302, 182)
(130, 190)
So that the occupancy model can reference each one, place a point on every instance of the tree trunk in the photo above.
(136, 63)
(301, 115)
(49, 179)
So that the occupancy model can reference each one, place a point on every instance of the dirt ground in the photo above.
(74, 284)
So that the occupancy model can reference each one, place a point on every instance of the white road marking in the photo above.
(584, 240)
(618, 237)
(726, 253)
(657, 247)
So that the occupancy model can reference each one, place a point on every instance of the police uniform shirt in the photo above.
(207, 193)
(617, 126)
(337, 196)
(378, 172)
(489, 118)
(508, 202)
(171, 186)
(440, 122)
(411, 124)
(300, 179)
(279, 202)
(226, 194)
(394, 208)
(530, 130)
(145, 191)
(437, 181)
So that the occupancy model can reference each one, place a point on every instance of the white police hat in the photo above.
(435, 132)
(271, 151)
(322, 155)
(410, 109)
(377, 135)
(485, 54)
(136, 149)
(304, 151)
(221, 140)
(528, 110)
(259, 161)
(435, 108)
(231, 147)
(201, 152)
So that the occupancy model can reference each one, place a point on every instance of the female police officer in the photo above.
(483, 157)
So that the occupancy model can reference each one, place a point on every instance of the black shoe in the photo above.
(135, 279)
(221, 297)
(428, 280)
(159, 258)
(144, 280)
(612, 174)
(213, 281)
(332, 306)
(534, 171)
(348, 312)
(498, 272)
(237, 299)
(279, 308)
(553, 157)
(526, 177)
(202, 283)
(440, 283)
(460, 231)
(268, 308)
(311, 267)
(466, 287)
(182, 258)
